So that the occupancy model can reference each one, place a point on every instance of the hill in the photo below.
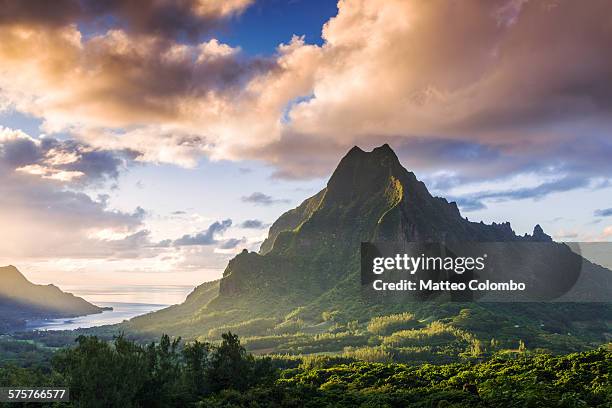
(301, 292)
(22, 300)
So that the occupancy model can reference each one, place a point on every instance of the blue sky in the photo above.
(267, 24)
(129, 136)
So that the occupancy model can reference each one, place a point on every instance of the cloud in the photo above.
(207, 237)
(539, 191)
(606, 212)
(606, 233)
(563, 234)
(168, 18)
(66, 160)
(510, 105)
(232, 243)
(258, 198)
(468, 204)
(42, 211)
(38, 219)
(409, 42)
(167, 94)
(475, 201)
(253, 224)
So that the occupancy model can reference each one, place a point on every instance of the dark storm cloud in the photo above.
(207, 237)
(259, 198)
(171, 18)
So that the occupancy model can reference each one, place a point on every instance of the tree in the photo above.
(229, 366)
(195, 356)
(163, 373)
(101, 375)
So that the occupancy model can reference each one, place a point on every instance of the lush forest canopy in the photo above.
(124, 373)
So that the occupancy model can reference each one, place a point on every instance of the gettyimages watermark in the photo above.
(487, 271)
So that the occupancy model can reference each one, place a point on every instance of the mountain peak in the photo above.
(355, 150)
(10, 273)
(540, 235)
(380, 158)
(363, 173)
(384, 149)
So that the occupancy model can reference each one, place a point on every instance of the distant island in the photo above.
(22, 300)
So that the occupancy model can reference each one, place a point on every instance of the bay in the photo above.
(121, 311)
(126, 301)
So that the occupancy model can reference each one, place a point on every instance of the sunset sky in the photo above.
(146, 142)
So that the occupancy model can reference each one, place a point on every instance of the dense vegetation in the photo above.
(23, 353)
(432, 333)
(123, 373)
(429, 333)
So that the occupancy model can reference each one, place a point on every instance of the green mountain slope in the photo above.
(173, 319)
(22, 300)
(301, 292)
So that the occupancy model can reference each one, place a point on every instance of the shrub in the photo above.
(248, 328)
(385, 325)
(370, 354)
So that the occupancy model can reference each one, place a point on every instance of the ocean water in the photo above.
(149, 294)
(127, 301)
(120, 312)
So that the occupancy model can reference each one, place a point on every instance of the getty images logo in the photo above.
(412, 264)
